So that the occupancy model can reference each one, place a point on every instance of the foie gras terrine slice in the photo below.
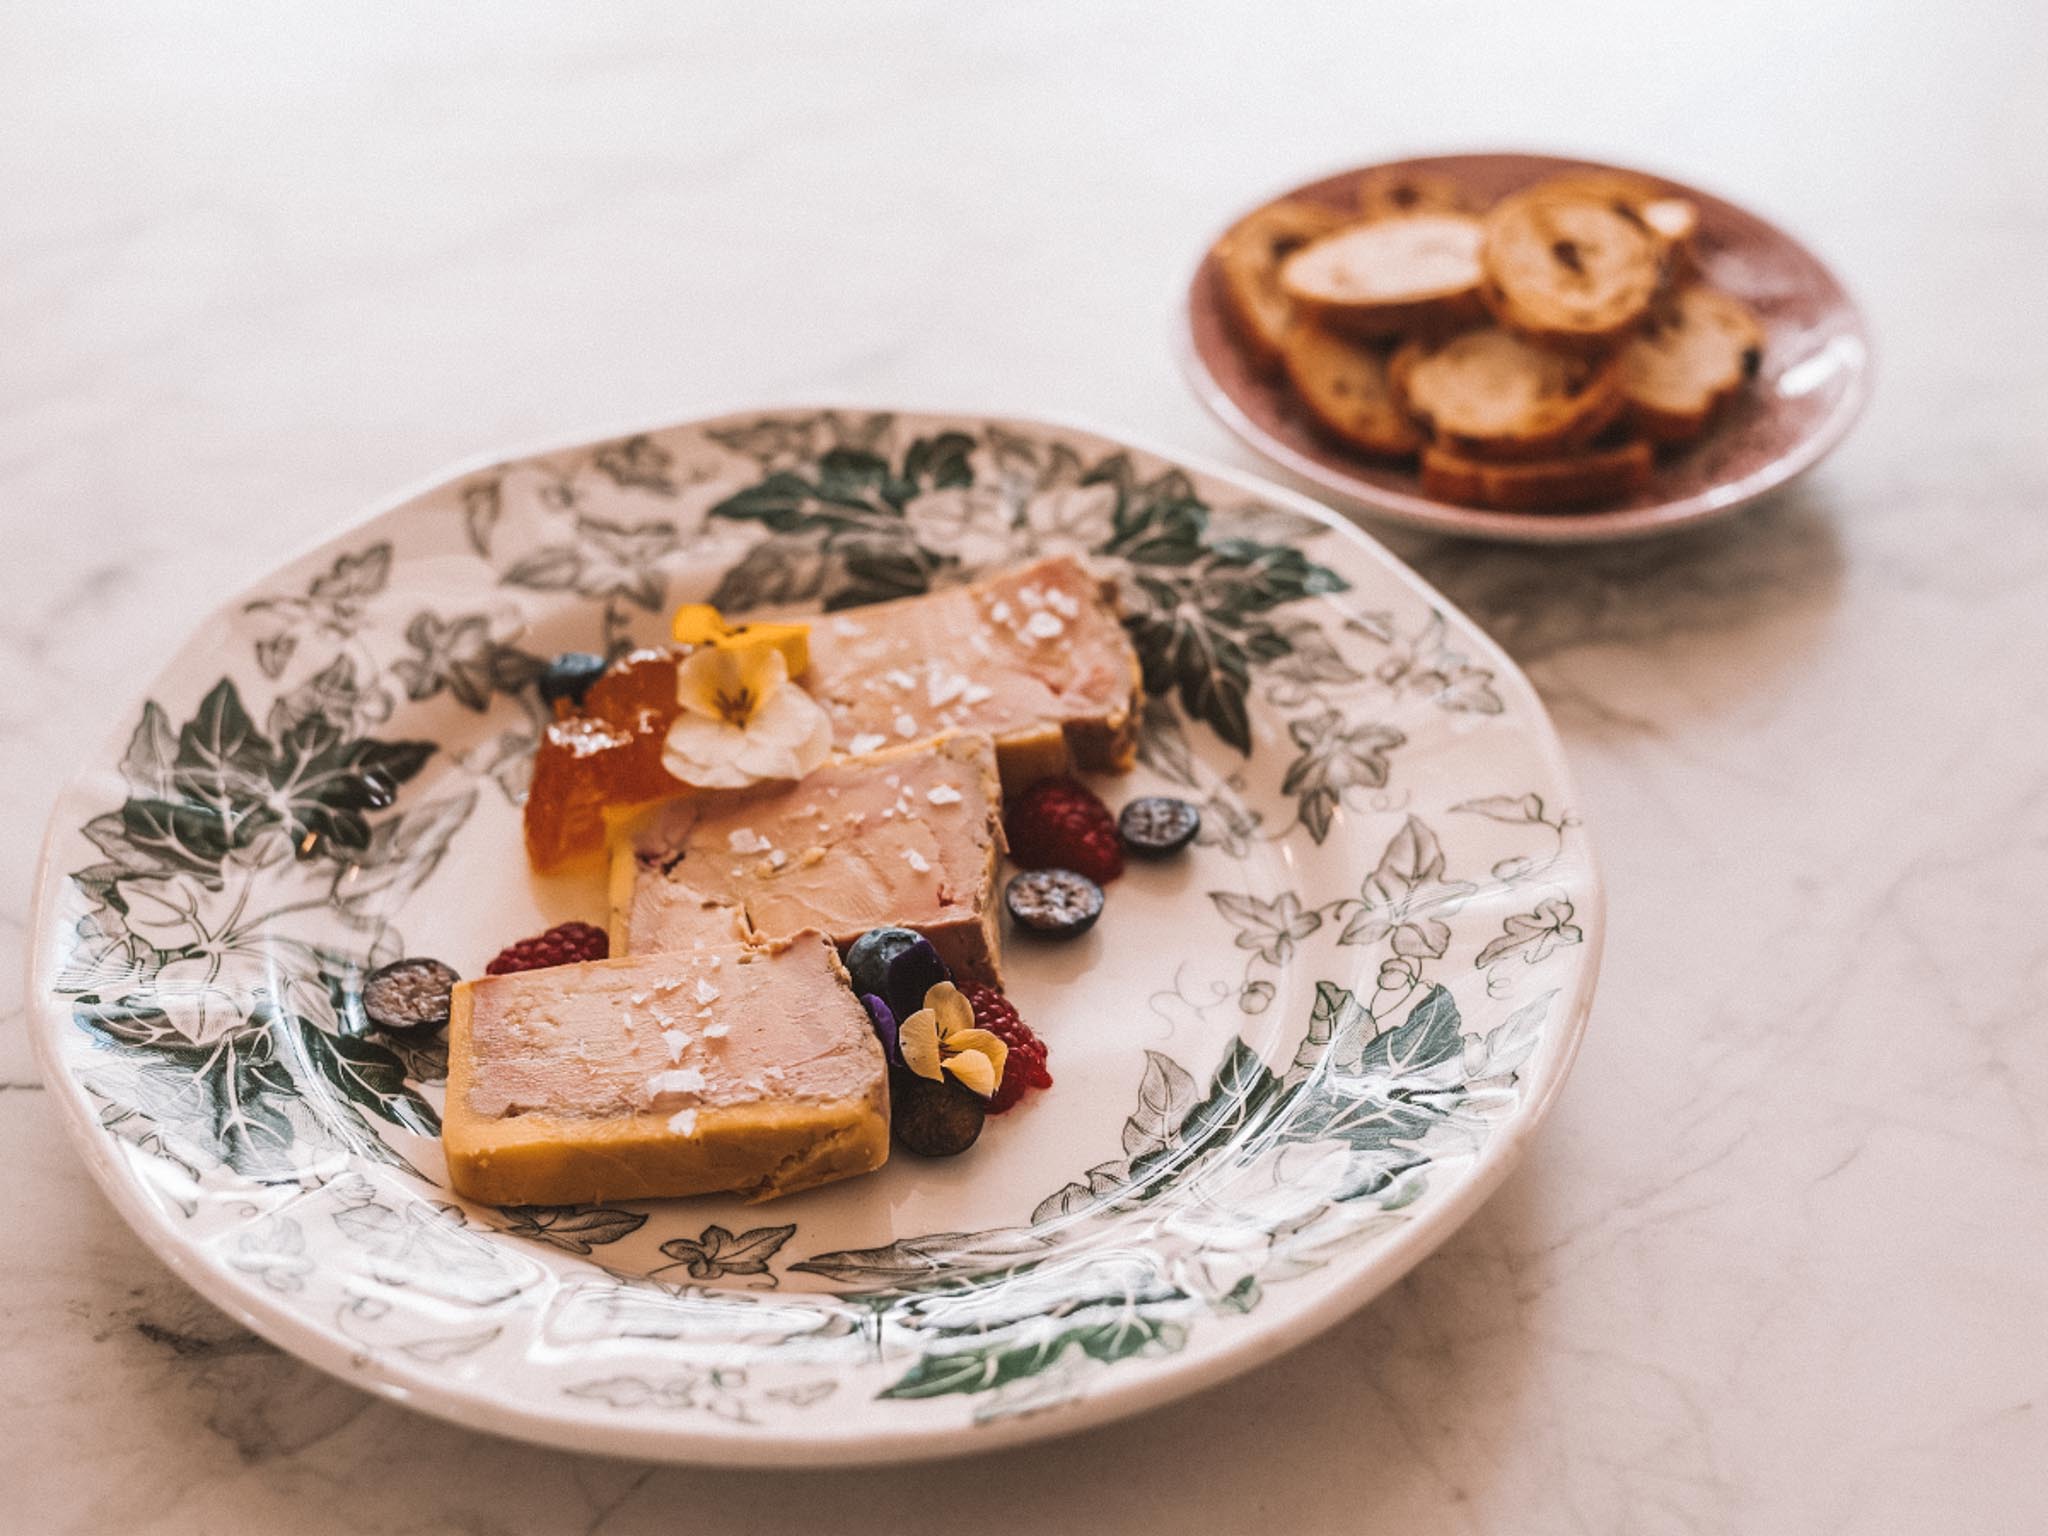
(1035, 657)
(725, 1067)
(907, 837)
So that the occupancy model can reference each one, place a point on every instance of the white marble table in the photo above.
(1777, 1265)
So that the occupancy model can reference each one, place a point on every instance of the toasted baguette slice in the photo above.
(1693, 353)
(1568, 268)
(1248, 263)
(1674, 220)
(1343, 385)
(1669, 217)
(1390, 276)
(1495, 395)
(1395, 194)
(1537, 484)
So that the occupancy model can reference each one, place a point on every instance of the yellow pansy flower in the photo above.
(941, 1037)
(700, 624)
(742, 720)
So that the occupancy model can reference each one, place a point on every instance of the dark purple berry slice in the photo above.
(1158, 826)
(570, 675)
(1055, 902)
(896, 965)
(934, 1119)
(410, 996)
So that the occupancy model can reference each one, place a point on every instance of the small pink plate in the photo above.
(1813, 384)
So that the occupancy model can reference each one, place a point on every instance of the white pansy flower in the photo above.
(742, 720)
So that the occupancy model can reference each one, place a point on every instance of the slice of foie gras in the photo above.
(906, 837)
(1035, 657)
(727, 1067)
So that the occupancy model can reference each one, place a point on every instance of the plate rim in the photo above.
(1428, 514)
(1123, 1396)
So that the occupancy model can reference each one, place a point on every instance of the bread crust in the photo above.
(1537, 485)
(1344, 387)
(1391, 193)
(1248, 260)
(1389, 276)
(1695, 351)
(1565, 267)
(1492, 394)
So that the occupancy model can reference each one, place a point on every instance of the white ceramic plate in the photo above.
(1287, 1065)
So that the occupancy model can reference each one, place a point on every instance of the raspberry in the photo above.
(1025, 1067)
(563, 944)
(1060, 824)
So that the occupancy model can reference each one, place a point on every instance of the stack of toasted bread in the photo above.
(1532, 355)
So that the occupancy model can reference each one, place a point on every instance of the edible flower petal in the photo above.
(942, 1037)
(793, 640)
(918, 1039)
(697, 624)
(742, 721)
(730, 684)
(700, 624)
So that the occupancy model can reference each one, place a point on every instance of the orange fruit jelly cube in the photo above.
(609, 755)
(639, 683)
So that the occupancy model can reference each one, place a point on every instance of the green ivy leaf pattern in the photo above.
(986, 1367)
(1533, 935)
(1338, 754)
(483, 503)
(1270, 929)
(856, 509)
(605, 560)
(369, 1079)
(152, 755)
(217, 810)
(335, 606)
(1511, 810)
(236, 783)
(716, 1254)
(336, 695)
(1406, 898)
(639, 462)
(428, 1247)
(911, 1261)
(1427, 665)
(1165, 1096)
(571, 1228)
(716, 1392)
(233, 1088)
(782, 442)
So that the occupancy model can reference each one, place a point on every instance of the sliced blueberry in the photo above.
(570, 675)
(410, 996)
(1055, 902)
(934, 1119)
(896, 965)
(1158, 826)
